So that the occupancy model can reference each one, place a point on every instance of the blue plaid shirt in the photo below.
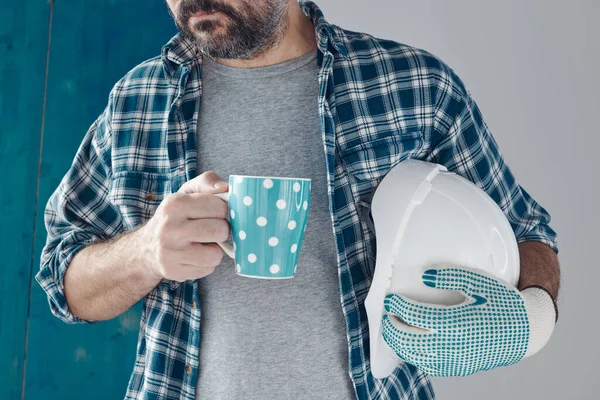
(380, 102)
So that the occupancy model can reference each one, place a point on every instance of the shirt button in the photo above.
(188, 369)
(181, 169)
(150, 196)
(193, 304)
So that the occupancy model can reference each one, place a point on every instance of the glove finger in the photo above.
(411, 312)
(449, 278)
(477, 285)
(462, 279)
(417, 360)
(404, 338)
(414, 357)
(424, 315)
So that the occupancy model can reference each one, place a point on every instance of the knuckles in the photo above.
(171, 203)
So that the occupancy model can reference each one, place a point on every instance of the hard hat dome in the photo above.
(424, 216)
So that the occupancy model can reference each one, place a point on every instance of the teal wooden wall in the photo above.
(58, 61)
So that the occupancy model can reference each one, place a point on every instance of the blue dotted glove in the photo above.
(491, 328)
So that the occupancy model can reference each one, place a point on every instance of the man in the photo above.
(261, 87)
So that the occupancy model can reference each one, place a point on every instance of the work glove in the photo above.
(497, 325)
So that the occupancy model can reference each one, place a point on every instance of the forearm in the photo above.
(539, 266)
(105, 279)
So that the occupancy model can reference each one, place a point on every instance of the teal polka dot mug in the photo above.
(268, 218)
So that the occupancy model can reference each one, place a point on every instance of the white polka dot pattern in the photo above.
(268, 218)
(261, 221)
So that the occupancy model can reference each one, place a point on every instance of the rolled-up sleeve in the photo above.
(463, 143)
(78, 213)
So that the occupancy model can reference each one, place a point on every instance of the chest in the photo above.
(356, 135)
(274, 132)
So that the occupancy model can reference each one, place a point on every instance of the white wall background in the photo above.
(532, 66)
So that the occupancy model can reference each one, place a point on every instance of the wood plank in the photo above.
(23, 51)
(94, 43)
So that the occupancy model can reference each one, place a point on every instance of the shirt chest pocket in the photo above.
(370, 160)
(137, 195)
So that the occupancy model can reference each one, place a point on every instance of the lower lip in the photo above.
(203, 15)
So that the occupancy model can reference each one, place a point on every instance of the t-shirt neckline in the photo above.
(259, 72)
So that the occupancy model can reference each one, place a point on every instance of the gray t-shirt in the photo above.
(271, 339)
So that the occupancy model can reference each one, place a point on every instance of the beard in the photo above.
(234, 34)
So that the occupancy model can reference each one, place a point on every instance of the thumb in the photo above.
(207, 182)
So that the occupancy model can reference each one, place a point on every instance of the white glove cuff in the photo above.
(542, 317)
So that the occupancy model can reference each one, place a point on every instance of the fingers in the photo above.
(203, 231)
(183, 232)
(194, 206)
(201, 255)
(195, 261)
(186, 272)
(207, 182)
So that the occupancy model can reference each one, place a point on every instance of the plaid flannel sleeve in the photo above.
(466, 146)
(78, 213)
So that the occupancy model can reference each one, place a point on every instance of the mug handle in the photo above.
(227, 248)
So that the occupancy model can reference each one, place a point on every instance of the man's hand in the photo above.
(495, 326)
(106, 278)
(179, 241)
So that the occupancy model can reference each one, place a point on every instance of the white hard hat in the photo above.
(424, 215)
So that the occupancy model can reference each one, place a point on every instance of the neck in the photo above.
(297, 40)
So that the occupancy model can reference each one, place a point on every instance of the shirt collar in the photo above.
(181, 52)
(326, 32)
(178, 52)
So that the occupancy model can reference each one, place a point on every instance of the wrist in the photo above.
(549, 294)
(142, 256)
(542, 317)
